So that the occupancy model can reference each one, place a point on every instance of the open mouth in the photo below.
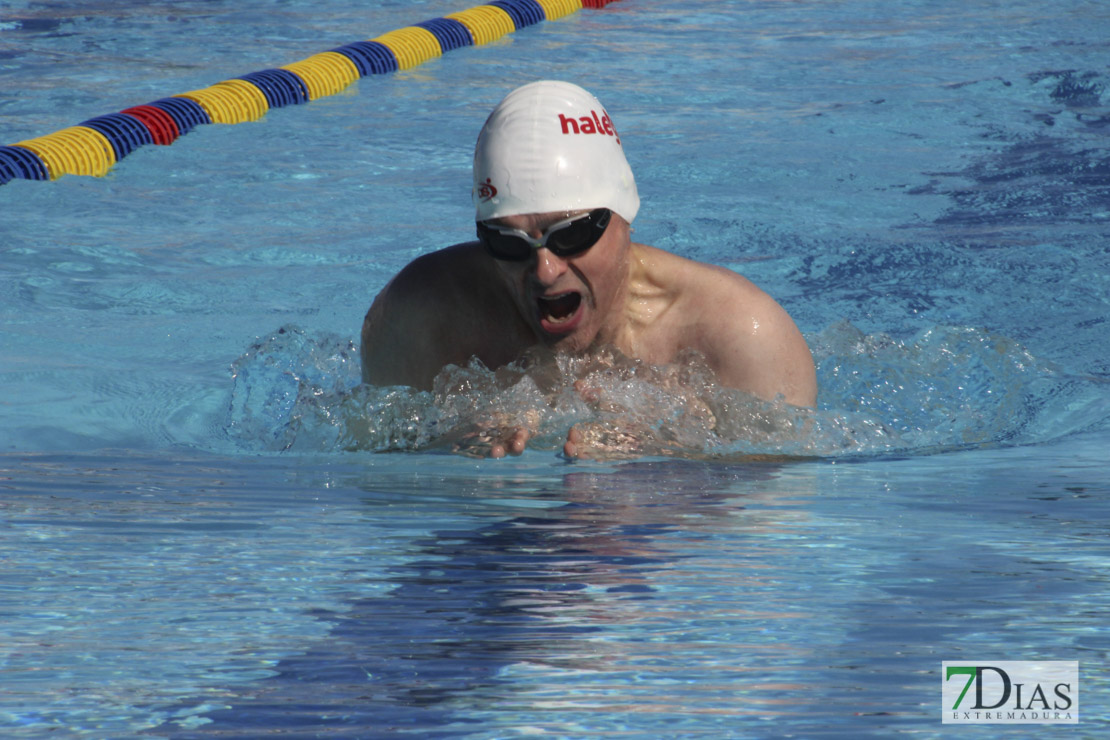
(560, 309)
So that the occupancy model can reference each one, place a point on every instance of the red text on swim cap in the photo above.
(590, 124)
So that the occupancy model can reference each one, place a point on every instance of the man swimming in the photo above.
(554, 266)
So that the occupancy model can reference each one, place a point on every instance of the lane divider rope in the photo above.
(94, 146)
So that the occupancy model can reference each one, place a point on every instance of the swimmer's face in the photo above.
(570, 302)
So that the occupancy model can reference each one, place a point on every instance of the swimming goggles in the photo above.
(565, 238)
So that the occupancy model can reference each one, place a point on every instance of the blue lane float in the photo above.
(125, 133)
(523, 12)
(88, 149)
(280, 86)
(371, 57)
(449, 32)
(187, 114)
(23, 163)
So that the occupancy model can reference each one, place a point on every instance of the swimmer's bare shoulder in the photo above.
(748, 338)
(397, 338)
(443, 308)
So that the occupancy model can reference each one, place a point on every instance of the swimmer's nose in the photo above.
(548, 266)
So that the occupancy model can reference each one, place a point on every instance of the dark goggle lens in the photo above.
(503, 246)
(567, 240)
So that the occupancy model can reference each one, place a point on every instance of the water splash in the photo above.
(945, 388)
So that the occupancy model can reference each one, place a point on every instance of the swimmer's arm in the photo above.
(754, 345)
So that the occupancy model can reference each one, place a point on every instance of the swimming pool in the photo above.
(201, 540)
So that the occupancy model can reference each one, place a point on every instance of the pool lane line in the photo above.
(94, 146)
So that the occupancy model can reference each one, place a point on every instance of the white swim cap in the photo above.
(547, 147)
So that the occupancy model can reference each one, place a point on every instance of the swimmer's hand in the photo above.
(619, 433)
(494, 435)
(600, 441)
(493, 442)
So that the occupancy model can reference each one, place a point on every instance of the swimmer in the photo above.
(554, 267)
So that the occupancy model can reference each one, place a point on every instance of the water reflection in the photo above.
(508, 616)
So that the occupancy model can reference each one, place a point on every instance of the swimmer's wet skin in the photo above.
(554, 267)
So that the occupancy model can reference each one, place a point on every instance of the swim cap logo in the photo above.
(486, 191)
(591, 124)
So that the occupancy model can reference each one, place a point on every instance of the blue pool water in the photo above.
(207, 529)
